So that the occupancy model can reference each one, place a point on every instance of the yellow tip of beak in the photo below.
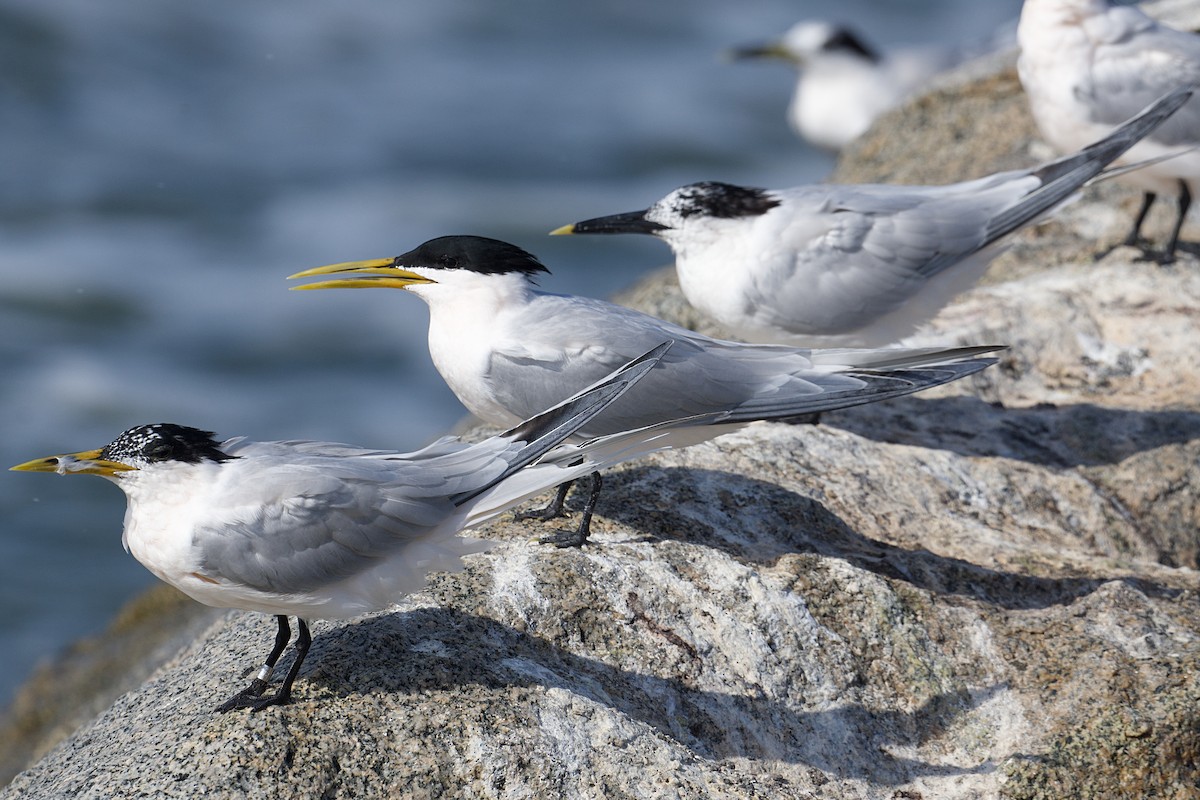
(49, 464)
(565, 230)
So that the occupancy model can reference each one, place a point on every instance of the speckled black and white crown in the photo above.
(163, 441)
(719, 200)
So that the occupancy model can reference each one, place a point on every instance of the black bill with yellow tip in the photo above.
(629, 222)
(750, 52)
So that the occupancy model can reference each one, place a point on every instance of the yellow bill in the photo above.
(374, 274)
(87, 462)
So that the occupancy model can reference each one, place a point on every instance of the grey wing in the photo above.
(1134, 71)
(306, 447)
(573, 342)
(879, 245)
(568, 344)
(297, 524)
(933, 228)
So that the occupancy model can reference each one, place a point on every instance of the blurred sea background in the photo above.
(165, 166)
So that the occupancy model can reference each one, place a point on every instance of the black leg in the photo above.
(579, 536)
(552, 511)
(1135, 234)
(251, 697)
(248, 696)
(1185, 202)
(281, 639)
(284, 695)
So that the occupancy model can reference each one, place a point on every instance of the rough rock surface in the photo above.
(73, 688)
(990, 590)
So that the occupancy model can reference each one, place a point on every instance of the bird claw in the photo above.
(1147, 255)
(553, 510)
(567, 538)
(252, 703)
(251, 698)
(544, 514)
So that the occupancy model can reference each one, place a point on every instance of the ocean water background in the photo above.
(165, 166)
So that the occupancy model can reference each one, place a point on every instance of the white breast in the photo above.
(468, 315)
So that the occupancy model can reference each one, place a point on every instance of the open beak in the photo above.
(87, 462)
(378, 273)
(630, 222)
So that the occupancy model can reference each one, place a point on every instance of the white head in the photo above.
(809, 41)
(1070, 12)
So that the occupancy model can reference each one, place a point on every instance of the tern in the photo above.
(504, 347)
(843, 84)
(861, 266)
(1087, 64)
(330, 531)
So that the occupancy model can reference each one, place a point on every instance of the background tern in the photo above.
(1086, 65)
(842, 82)
(504, 347)
(859, 265)
(331, 531)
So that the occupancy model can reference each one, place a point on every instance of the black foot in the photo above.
(255, 703)
(1148, 255)
(251, 698)
(553, 510)
(565, 538)
(544, 514)
(579, 536)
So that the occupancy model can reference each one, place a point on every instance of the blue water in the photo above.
(165, 166)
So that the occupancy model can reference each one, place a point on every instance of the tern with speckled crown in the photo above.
(854, 266)
(330, 531)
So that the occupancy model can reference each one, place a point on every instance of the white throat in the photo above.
(468, 314)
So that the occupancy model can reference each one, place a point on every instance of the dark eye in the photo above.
(448, 261)
(157, 451)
